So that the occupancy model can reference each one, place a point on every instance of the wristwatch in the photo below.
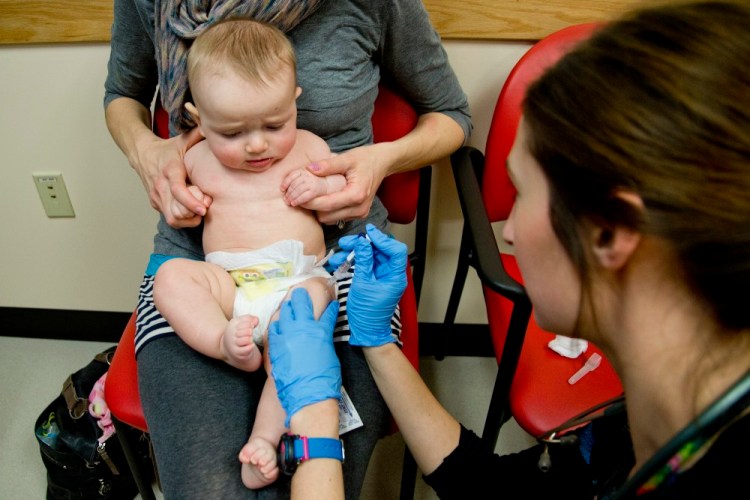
(294, 449)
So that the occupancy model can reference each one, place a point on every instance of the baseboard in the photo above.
(459, 339)
(435, 339)
(62, 324)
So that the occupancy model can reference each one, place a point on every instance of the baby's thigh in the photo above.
(321, 293)
(177, 277)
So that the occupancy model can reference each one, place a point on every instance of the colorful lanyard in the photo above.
(673, 466)
(672, 457)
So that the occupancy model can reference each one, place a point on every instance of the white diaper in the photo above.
(264, 277)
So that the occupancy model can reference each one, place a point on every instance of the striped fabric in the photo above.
(178, 22)
(150, 325)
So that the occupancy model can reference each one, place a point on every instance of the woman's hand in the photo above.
(378, 284)
(304, 364)
(435, 137)
(363, 173)
(161, 167)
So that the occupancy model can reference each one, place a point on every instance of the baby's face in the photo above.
(248, 125)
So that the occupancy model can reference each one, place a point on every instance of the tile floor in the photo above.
(32, 371)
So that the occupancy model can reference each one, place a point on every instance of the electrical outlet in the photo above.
(53, 194)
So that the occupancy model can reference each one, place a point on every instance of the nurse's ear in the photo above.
(614, 245)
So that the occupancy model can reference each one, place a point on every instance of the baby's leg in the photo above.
(197, 298)
(259, 454)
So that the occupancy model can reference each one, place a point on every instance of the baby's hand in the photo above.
(301, 186)
(199, 195)
(180, 211)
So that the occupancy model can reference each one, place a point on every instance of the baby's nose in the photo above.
(256, 144)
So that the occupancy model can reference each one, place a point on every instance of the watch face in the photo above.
(287, 461)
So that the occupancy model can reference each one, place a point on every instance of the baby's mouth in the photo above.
(259, 162)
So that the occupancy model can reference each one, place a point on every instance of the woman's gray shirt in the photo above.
(343, 50)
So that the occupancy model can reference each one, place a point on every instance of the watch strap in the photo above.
(306, 448)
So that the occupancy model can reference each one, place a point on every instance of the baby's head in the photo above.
(242, 77)
(255, 51)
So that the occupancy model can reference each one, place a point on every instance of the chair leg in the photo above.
(499, 410)
(420, 236)
(497, 413)
(462, 269)
(408, 476)
(140, 474)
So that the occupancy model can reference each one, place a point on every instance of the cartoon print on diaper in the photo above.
(263, 278)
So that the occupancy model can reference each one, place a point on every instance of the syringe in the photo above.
(343, 270)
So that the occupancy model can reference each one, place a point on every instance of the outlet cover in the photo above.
(53, 194)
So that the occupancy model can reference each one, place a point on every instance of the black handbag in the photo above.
(78, 465)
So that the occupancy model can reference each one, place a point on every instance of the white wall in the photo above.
(51, 119)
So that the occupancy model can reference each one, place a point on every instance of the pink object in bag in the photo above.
(99, 410)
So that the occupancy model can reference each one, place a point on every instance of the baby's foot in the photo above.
(259, 467)
(239, 348)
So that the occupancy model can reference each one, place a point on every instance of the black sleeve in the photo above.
(472, 472)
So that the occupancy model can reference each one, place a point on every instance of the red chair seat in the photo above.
(541, 397)
(121, 389)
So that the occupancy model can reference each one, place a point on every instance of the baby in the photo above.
(258, 240)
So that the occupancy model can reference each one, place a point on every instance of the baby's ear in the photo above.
(194, 114)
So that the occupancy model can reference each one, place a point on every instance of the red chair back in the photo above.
(540, 396)
(392, 119)
(498, 193)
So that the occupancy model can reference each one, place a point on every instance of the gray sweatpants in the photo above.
(200, 413)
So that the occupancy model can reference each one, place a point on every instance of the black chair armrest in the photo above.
(468, 165)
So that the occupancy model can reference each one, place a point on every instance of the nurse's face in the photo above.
(549, 276)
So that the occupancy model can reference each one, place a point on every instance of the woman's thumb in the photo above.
(325, 167)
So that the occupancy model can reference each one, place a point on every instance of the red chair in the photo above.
(532, 380)
(403, 195)
(121, 394)
(406, 195)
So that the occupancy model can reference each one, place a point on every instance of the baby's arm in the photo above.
(190, 159)
(301, 186)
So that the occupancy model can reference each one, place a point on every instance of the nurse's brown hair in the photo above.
(657, 103)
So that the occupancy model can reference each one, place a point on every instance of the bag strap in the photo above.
(77, 405)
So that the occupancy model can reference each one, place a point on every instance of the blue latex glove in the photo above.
(304, 364)
(378, 283)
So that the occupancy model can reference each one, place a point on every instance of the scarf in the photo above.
(179, 22)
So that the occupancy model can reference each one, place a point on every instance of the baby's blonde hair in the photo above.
(252, 49)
